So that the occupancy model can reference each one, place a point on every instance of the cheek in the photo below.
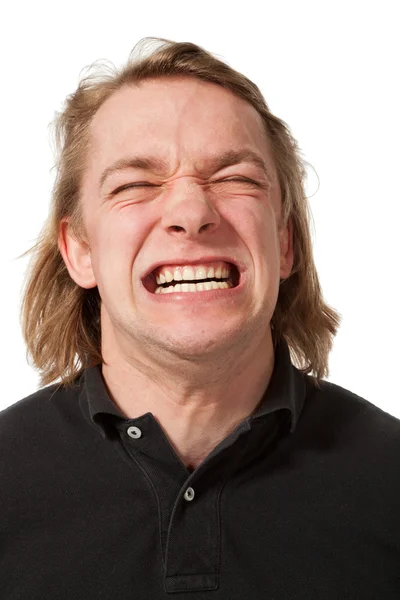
(257, 226)
(115, 243)
(255, 223)
(118, 232)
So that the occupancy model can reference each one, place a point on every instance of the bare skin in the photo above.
(199, 361)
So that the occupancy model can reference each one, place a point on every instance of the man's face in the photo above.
(189, 213)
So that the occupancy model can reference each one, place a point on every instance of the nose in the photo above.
(188, 212)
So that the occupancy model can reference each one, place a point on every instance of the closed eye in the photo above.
(243, 179)
(146, 184)
(133, 185)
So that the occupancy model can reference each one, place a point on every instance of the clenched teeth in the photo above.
(192, 273)
(194, 287)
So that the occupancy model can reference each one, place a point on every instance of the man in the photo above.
(180, 450)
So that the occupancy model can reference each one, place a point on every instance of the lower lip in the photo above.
(199, 297)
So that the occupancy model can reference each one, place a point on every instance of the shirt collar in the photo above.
(286, 390)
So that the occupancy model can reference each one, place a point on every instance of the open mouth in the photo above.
(192, 279)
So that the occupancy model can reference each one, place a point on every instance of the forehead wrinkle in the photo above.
(209, 165)
(183, 113)
(146, 163)
(233, 157)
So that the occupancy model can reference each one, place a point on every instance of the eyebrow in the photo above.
(214, 163)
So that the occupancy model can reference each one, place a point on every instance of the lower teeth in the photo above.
(194, 287)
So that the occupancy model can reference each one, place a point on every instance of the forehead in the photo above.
(183, 120)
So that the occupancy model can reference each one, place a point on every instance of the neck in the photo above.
(197, 403)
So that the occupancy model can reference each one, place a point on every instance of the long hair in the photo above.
(61, 321)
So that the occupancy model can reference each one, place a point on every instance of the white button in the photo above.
(134, 432)
(189, 494)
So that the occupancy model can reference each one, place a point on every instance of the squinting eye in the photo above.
(146, 184)
(241, 179)
(132, 185)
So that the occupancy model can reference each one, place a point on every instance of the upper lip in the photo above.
(194, 261)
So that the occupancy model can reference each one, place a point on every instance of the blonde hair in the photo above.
(61, 321)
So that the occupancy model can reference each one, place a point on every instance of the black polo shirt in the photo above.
(301, 501)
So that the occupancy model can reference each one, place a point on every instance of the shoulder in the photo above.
(39, 412)
(341, 400)
(28, 406)
(334, 413)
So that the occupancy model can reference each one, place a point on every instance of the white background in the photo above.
(329, 69)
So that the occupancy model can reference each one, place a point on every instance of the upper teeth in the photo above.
(192, 273)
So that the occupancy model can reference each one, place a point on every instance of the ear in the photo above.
(76, 254)
(286, 247)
